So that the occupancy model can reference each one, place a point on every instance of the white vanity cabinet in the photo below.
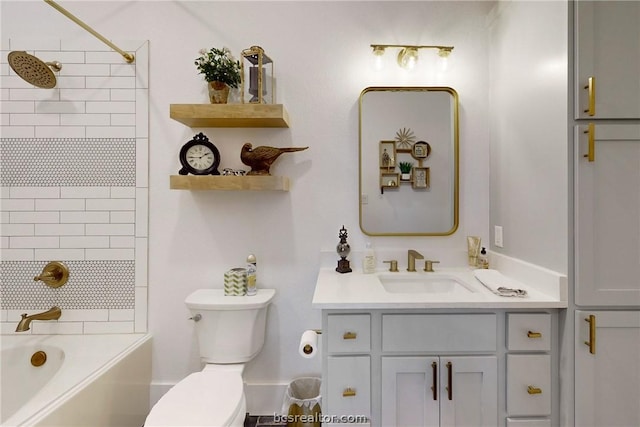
(607, 59)
(440, 367)
(607, 358)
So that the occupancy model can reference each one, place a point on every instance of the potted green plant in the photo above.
(221, 71)
(405, 169)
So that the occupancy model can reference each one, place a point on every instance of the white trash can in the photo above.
(302, 402)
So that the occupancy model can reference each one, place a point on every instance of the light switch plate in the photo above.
(497, 236)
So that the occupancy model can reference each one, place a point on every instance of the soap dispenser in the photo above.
(369, 260)
(483, 259)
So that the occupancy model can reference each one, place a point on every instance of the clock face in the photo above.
(200, 157)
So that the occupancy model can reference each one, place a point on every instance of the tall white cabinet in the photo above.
(606, 313)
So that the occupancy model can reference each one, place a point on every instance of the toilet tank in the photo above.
(229, 329)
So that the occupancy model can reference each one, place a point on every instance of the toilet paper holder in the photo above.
(308, 349)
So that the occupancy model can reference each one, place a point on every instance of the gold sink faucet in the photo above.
(52, 314)
(412, 256)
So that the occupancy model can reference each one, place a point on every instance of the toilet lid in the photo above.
(202, 399)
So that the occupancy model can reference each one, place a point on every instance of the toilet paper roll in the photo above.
(308, 344)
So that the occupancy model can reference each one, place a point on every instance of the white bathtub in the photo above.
(87, 380)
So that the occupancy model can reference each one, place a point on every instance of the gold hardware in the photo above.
(428, 265)
(591, 154)
(534, 390)
(126, 55)
(348, 392)
(393, 265)
(592, 333)
(408, 54)
(54, 274)
(434, 373)
(591, 86)
(532, 334)
(53, 313)
(449, 381)
(412, 256)
(349, 336)
(38, 358)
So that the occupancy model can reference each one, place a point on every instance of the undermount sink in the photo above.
(419, 283)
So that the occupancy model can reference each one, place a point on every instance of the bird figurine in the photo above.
(261, 158)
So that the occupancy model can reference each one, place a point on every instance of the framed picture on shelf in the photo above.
(420, 177)
(420, 150)
(387, 155)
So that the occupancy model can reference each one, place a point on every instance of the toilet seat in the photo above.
(210, 398)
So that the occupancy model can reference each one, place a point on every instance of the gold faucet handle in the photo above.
(54, 274)
(428, 265)
(393, 265)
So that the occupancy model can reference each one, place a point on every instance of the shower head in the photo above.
(33, 70)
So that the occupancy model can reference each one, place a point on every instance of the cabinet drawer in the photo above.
(439, 332)
(528, 385)
(349, 333)
(529, 332)
(348, 386)
(515, 422)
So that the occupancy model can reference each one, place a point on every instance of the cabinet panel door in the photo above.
(348, 386)
(607, 192)
(408, 398)
(606, 383)
(469, 391)
(607, 41)
(528, 384)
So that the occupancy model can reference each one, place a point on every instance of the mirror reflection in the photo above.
(408, 161)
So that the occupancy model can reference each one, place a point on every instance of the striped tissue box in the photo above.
(235, 282)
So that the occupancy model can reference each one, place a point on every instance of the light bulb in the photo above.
(408, 57)
(378, 63)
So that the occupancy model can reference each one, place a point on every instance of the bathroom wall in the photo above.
(529, 144)
(322, 62)
(74, 184)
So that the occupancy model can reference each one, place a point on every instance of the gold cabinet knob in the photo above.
(532, 334)
(349, 336)
(534, 390)
(348, 392)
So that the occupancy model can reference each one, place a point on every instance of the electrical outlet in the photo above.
(497, 236)
(364, 199)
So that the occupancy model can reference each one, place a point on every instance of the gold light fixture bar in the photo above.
(126, 55)
(408, 54)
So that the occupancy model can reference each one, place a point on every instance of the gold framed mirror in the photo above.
(411, 129)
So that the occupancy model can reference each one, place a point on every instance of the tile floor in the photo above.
(261, 421)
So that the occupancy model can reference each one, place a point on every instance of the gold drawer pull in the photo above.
(534, 390)
(532, 334)
(592, 334)
(348, 392)
(591, 87)
(591, 131)
(349, 336)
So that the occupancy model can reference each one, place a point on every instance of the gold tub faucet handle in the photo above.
(54, 274)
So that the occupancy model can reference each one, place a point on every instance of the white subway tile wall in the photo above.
(74, 187)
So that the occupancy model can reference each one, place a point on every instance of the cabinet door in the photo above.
(410, 392)
(348, 386)
(607, 208)
(607, 49)
(469, 391)
(606, 373)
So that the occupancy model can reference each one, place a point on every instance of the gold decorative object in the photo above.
(405, 138)
(261, 158)
(258, 79)
(408, 54)
(54, 274)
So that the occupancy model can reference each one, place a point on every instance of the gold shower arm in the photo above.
(126, 55)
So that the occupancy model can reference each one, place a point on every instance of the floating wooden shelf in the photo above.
(218, 182)
(231, 115)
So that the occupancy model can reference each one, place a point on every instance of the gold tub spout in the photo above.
(52, 314)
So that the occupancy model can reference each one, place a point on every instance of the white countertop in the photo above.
(357, 290)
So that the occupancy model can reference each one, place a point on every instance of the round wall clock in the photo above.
(199, 157)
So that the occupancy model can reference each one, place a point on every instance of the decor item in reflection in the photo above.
(420, 150)
(420, 177)
(257, 71)
(233, 172)
(408, 54)
(261, 158)
(388, 180)
(404, 138)
(343, 250)
(387, 155)
(221, 71)
(199, 157)
(405, 170)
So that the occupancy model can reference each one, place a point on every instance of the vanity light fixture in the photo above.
(408, 54)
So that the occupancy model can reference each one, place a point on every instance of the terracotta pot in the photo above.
(218, 92)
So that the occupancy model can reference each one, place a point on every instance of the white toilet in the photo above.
(230, 332)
